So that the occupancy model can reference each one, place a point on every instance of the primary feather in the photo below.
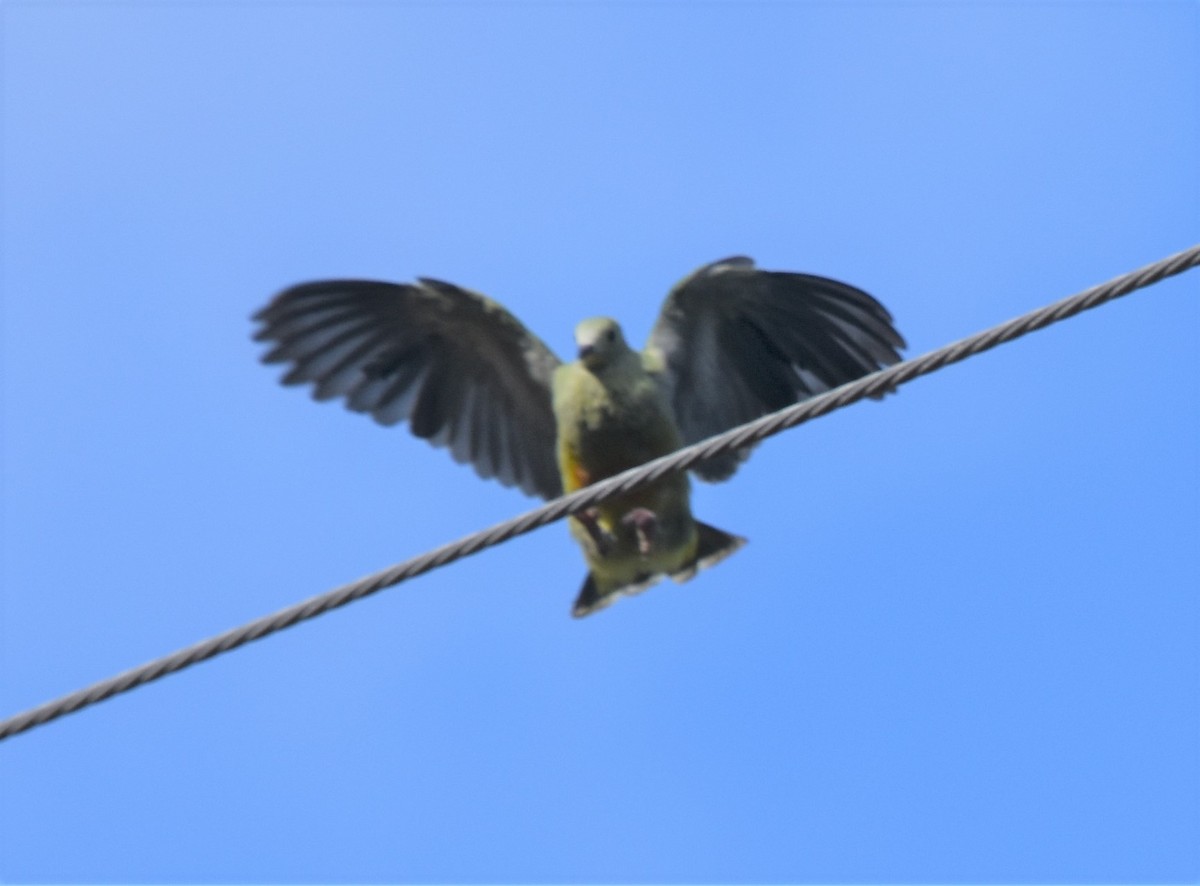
(733, 343)
(459, 368)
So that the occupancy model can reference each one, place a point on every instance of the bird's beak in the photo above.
(585, 351)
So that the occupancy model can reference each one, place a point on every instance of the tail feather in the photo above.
(713, 545)
(592, 599)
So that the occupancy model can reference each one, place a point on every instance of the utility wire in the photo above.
(872, 385)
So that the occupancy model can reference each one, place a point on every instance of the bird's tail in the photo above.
(591, 598)
(712, 546)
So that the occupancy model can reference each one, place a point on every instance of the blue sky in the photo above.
(962, 643)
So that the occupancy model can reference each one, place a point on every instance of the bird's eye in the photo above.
(611, 335)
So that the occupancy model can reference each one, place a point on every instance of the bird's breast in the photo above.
(604, 429)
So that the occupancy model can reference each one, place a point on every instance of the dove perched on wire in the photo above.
(731, 343)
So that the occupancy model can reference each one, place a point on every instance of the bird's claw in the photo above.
(589, 519)
(645, 528)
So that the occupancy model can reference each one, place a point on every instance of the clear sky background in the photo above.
(962, 643)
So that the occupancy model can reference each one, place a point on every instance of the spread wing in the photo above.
(459, 368)
(734, 342)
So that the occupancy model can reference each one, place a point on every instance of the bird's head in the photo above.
(600, 342)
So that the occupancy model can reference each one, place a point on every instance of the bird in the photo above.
(732, 342)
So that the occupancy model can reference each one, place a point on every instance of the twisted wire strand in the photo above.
(752, 432)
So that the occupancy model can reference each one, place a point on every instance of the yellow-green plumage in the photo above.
(611, 415)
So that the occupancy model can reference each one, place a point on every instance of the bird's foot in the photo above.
(645, 527)
(604, 541)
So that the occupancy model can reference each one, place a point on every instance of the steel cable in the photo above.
(752, 432)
